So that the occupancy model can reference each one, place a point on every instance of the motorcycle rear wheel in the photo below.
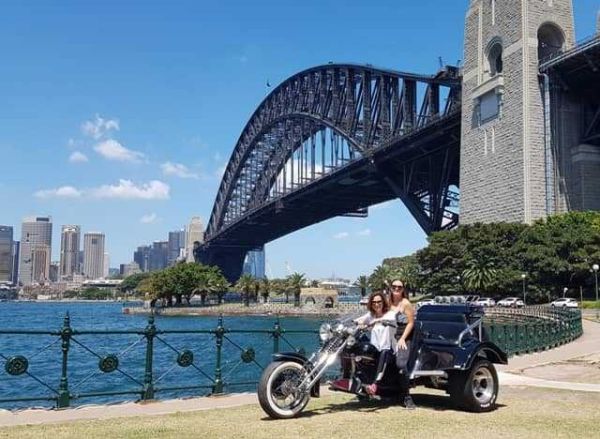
(278, 390)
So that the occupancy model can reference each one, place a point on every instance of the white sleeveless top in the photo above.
(382, 337)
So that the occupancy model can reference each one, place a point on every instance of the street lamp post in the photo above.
(595, 267)
(523, 277)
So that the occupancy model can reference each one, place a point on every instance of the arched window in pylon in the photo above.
(551, 41)
(494, 57)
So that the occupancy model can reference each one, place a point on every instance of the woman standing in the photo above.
(405, 319)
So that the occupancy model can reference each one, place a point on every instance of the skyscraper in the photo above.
(106, 266)
(93, 255)
(69, 250)
(159, 255)
(6, 253)
(15, 262)
(35, 251)
(176, 243)
(142, 257)
(195, 232)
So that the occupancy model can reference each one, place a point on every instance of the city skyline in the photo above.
(135, 122)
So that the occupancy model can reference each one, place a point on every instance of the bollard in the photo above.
(63, 389)
(150, 333)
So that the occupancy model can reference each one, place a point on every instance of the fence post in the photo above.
(63, 389)
(276, 335)
(150, 332)
(218, 386)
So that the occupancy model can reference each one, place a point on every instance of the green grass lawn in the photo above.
(523, 413)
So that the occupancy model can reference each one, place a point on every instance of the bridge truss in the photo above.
(327, 119)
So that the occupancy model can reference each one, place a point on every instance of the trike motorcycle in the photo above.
(449, 351)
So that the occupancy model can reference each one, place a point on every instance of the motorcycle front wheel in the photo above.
(278, 392)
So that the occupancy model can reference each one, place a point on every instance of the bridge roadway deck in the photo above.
(587, 344)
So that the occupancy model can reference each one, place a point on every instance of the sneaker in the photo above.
(371, 389)
(409, 404)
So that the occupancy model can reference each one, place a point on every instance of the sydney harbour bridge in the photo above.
(335, 139)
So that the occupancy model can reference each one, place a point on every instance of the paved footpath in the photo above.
(587, 344)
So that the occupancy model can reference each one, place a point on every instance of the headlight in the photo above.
(325, 332)
(350, 341)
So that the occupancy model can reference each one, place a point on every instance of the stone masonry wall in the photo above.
(502, 176)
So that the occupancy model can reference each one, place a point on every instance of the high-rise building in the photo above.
(35, 249)
(129, 269)
(69, 251)
(106, 266)
(15, 262)
(142, 257)
(254, 263)
(176, 243)
(6, 253)
(54, 271)
(195, 232)
(159, 255)
(93, 255)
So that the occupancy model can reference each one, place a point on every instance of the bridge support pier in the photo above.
(229, 259)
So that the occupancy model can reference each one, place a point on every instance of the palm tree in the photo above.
(381, 277)
(246, 284)
(363, 283)
(219, 286)
(264, 287)
(479, 276)
(295, 283)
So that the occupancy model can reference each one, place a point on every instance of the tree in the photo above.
(381, 277)
(264, 288)
(363, 283)
(130, 283)
(479, 277)
(295, 283)
(246, 284)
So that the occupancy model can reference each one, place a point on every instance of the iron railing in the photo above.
(516, 331)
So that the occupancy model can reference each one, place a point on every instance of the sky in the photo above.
(120, 116)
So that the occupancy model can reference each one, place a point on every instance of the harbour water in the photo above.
(44, 355)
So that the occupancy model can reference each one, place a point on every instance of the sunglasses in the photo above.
(397, 287)
(377, 301)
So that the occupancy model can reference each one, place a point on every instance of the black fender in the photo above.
(488, 350)
(315, 391)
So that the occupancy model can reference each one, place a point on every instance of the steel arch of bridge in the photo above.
(353, 112)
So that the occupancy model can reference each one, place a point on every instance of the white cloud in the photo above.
(78, 157)
(149, 218)
(61, 192)
(112, 150)
(99, 127)
(341, 235)
(365, 232)
(126, 189)
(178, 170)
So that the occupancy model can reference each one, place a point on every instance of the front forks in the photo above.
(318, 370)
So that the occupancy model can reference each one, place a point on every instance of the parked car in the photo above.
(565, 302)
(485, 301)
(511, 302)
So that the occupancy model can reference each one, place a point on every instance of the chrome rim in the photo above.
(284, 389)
(482, 385)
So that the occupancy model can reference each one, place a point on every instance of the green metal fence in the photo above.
(516, 331)
(532, 329)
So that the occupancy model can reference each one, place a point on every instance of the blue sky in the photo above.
(107, 100)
